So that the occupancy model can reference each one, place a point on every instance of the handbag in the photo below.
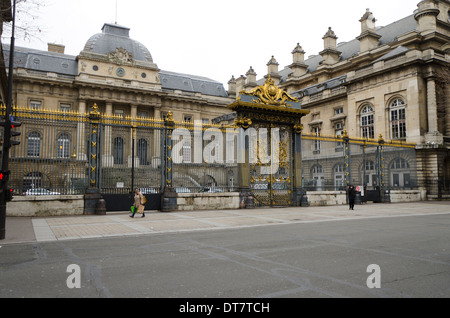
(140, 209)
(144, 199)
(132, 209)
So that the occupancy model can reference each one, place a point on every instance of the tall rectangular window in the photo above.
(63, 145)
(316, 144)
(367, 122)
(64, 107)
(35, 104)
(34, 144)
(398, 123)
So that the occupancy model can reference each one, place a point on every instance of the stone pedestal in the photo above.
(91, 200)
(169, 200)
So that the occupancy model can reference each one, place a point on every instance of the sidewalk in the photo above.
(30, 230)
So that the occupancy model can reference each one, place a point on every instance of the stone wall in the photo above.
(207, 201)
(69, 205)
(324, 198)
(48, 205)
(398, 196)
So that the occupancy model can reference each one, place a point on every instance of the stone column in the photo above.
(433, 136)
(447, 110)
(133, 115)
(81, 132)
(432, 105)
(107, 158)
(156, 142)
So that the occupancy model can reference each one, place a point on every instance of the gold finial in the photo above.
(170, 117)
(345, 134)
(95, 111)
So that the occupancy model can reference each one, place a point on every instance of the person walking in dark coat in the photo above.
(351, 197)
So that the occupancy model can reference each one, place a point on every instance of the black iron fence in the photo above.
(55, 152)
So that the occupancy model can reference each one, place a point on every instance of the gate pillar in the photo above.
(169, 196)
(246, 197)
(93, 200)
(299, 194)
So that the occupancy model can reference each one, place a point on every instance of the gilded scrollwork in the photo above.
(270, 94)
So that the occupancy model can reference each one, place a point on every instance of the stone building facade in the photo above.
(118, 74)
(391, 81)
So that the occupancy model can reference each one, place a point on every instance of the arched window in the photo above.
(367, 120)
(142, 152)
(118, 151)
(63, 145)
(34, 144)
(397, 116)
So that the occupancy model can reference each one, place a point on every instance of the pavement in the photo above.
(114, 224)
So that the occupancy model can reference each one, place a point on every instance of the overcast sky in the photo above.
(215, 39)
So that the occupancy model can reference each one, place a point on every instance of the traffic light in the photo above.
(9, 194)
(9, 133)
(15, 124)
(4, 175)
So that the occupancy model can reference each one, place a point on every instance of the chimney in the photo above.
(272, 71)
(232, 87)
(240, 83)
(251, 79)
(57, 48)
(298, 66)
(368, 39)
(330, 54)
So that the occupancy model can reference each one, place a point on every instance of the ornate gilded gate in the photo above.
(271, 167)
(270, 121)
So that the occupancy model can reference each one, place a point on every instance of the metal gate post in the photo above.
(347, 158)
(383, 197)
(169, 196)
(93, 201)
(299, 195)
(245, 196)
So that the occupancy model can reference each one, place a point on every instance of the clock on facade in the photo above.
(120, 72)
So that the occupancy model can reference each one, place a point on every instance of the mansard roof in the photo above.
(389, 34)
(67, 66)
